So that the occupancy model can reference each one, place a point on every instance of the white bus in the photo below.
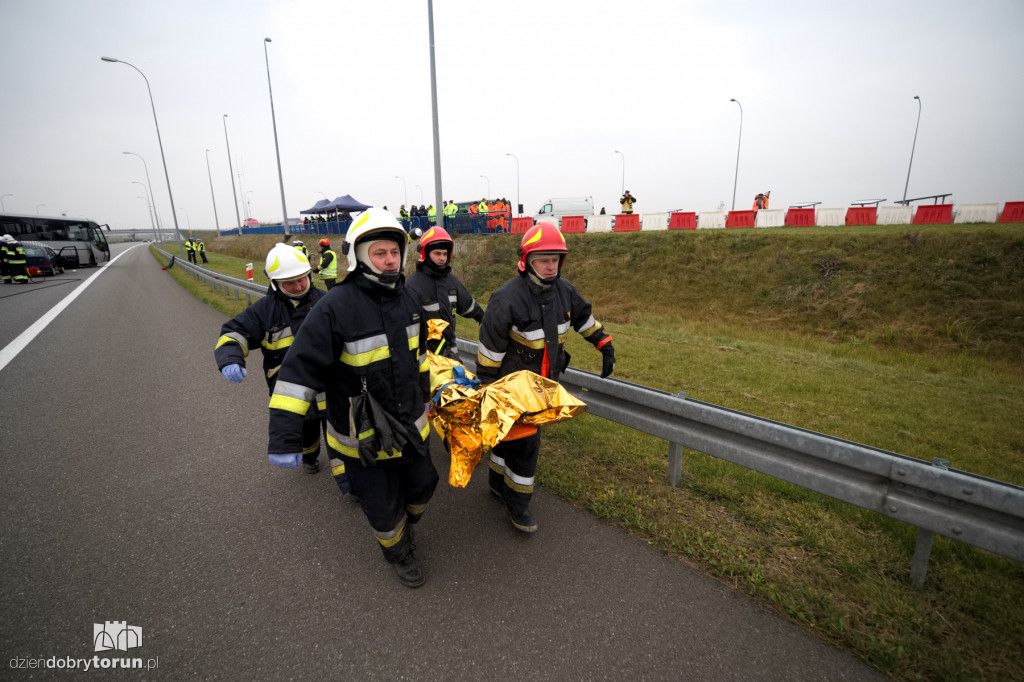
(77, 242)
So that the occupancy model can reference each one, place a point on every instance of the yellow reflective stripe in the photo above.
(234, 337)
(425, 363)
(482, 359)
(292, 397)
(531, 335)
(537, 344)
(337, 467)
(365, 351)
(312, 448)
(278, 345)
(288, 404)
(423, 424)
(321, 402)
(590, 327)
(392, 537)
(339, 442)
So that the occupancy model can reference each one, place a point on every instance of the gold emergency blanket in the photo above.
(472, 419)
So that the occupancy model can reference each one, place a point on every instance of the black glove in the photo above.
(608, 361)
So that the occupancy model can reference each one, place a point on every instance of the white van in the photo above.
(552, 210)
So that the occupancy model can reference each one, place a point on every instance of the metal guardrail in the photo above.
(980, 511)
(935, 499)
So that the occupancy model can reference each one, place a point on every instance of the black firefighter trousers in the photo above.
(512, 468)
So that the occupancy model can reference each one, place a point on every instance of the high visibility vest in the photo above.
(432, 214)
(482, 207)
(201, 246)
(331, 270)
(189, 246)
(627, 204)
(450, 210)
(473, 208)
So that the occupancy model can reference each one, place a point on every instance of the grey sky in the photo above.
(826, 88)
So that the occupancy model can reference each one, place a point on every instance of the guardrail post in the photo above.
(675, 464)
(923, 548)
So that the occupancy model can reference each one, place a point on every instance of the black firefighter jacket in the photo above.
(360, 332)
(270, 323)
(523, 319)
(442, 296)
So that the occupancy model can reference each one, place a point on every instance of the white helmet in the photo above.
(8, 238)
(285, 262)
(373, 223)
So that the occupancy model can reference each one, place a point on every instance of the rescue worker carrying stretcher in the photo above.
(271, 324)
(524, 327)
(365, 345)
(440, 291)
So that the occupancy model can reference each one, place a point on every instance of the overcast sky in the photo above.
(826, 89)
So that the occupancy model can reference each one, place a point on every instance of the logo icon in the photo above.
(116, 635)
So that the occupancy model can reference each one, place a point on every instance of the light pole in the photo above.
(405, 190)
(216, 220)
(421, 193)
(248, 204)
(912, 148)
(231, 171)
(149, 205)
(623, 190)
(152, 198)
(738, 143)
(518, 205)
(273, 118)
(188, 220)
(433, 108)
(170, 195)
(37, 208)
(2, 207)
(148, 212)
(488, 185)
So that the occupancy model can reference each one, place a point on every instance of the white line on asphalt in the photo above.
(17, 345)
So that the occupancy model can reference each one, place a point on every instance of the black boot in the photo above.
(408, 570)
(522, 519)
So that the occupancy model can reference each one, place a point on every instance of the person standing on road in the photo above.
(627, 200)
(13, 261)
(328, 266)
(524, 327)
(440, 291)
(271, 324)
(366, 342)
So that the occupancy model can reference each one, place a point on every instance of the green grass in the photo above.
(907, 339)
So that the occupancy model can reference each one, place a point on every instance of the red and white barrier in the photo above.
(710, 220)
(654, 221)
(976, 213)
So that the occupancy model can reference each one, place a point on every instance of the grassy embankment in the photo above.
(907, 339)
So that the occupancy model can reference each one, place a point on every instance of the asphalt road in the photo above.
(135, 487)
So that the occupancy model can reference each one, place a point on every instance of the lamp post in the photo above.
(518, 205)
(188, 220)
(738, 143)
(149, 205)
(216, 220)
(405, 190)
(170, 195)
(2, 207)
(248, 204)
(488, 185)
(231, 171)
(37, 208)
(152, 198)
(148, 212)
(273, 118)
(623, 190)
(912, 147)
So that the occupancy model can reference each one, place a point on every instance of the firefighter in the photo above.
(13, 260)
(440, 291)
(328, 267)
(271, 324)
(367, 340)
(524, 327)
(627, 200)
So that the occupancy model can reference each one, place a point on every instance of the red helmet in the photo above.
(435, 237)
(325, 242)
(542, 237)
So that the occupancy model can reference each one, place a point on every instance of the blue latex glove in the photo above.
(289, 461)
(233, 373)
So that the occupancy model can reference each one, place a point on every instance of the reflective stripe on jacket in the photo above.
(362, 332)
(523, 322)
(442, 296)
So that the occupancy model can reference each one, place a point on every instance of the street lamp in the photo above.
(623, 190)
(405, 190)
(2, 207)
(216, 220)
(181, 249)
(188, 219)
(231, 171)
(488, 185)
(912, 147)
(248, 204)
(273, 118)
(738, 143)
(518, 205)
(149, 205)
(37, 208)
(152, 198)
